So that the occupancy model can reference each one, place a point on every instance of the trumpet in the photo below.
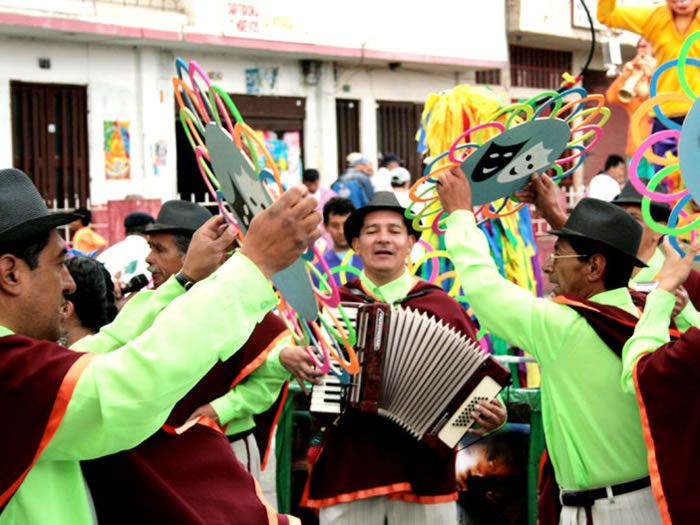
(637, 84)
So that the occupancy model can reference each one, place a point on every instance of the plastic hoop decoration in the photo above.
(557, 100)
(417, 199)
(352, 364)
(667, 122)
(437, 228)
(334, 298)
(434, 254)
(587, 132)
(239, 120)
(580, 103)
(432, 208)
(344, 267)
(429, 168)
(683, 60)
(410, 213)
(213, 186)
(451, 153)
(634, 165)
(682, 96)
(498, 214)
(242, 127)
(180, 84)
(195, 71)
(605, 112)
(646, 208)
(321, 362)
(513, 109)
(673, 220)
(456, 285)
(190, 127)
(641, 113)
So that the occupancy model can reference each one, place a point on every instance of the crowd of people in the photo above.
(141, 382)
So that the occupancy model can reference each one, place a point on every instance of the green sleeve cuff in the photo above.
(223, 407)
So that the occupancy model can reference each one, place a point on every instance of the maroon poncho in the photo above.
(37, 379)
(614, 326)
(190, 475)
(668, 392)
(366, 455)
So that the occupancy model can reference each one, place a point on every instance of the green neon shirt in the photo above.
(592, 427)
(124, 396)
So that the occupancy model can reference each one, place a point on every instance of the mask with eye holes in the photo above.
(503, 165)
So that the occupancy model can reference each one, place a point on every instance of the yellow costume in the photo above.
(656, 25)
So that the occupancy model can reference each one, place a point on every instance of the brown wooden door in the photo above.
(347, 123)
(49, 140)
(397, 124)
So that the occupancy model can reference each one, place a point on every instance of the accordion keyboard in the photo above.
(326, 397)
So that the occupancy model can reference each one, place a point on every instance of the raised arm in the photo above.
(122, 397)
(652, 329)
(505, 309)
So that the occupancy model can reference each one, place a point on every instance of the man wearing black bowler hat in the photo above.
(62, 406)
(370, 471)
(593, 428)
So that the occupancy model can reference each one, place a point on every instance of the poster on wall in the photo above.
(117, 150)
(285, 148)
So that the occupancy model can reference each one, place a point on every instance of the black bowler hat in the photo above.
(660, 212)
(602, 222)
(382, 200)
(179, 217)
(23, 212)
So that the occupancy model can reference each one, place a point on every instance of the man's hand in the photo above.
(454, 190)
(675, 270)
(207, 250)
(544, 194)
(297, 360)
(280, 234)
(682, 300)
(206, 411)
(489, 416)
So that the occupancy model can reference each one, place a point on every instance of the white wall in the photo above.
(122, 84)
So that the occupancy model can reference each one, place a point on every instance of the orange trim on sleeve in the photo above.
(255, 363)
(63, 397)
(268, 445)
(656, 484)
(199, 420)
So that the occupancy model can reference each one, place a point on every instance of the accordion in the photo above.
(420, 373)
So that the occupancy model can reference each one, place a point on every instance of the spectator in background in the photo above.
(400, 184)
(608, 183)
(312, 180)
(355, 183)
(335, 213)
(127, 258)
(85, 239)
(92, 305)
(382, 179)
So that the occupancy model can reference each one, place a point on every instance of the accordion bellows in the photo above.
(420, 373)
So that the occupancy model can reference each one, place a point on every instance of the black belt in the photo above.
(586, 498)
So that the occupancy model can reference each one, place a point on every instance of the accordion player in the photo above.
(415, 371)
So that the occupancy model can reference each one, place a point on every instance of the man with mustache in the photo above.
(369, 469)
(592, 428)
(65, 406)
